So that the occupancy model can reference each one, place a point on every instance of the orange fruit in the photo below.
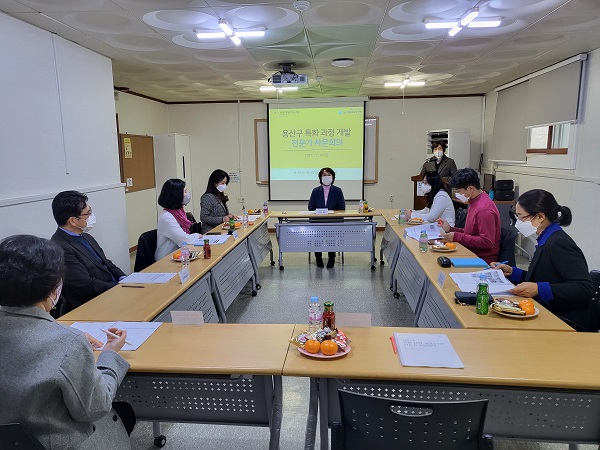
(527, 306)
(312, 346)
(329, 348)
(451, 245)
(177, 254)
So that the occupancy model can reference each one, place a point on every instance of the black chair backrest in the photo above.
(146, 248)
(13, 436)
(378, 422)
(595, 276)
(508, 237)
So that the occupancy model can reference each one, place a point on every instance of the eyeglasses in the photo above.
(522, 218)
(87, 214)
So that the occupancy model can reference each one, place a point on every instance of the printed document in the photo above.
(137, 332)
(147, 278)
(433, 231)
(497, 282)
(213, 239)
(426, 350)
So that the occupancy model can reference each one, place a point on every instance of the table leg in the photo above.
(324, 414)
(277, 413)
(311, 421)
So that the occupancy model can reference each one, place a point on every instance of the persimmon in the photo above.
(312, 346)
(329, 348)
(451, 245)
(527, 306)
(177, 254)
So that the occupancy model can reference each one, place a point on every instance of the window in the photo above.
(549, 139)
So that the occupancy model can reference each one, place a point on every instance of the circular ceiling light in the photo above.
(301, 5)
(342, 62)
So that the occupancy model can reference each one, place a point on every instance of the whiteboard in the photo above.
(261, 150)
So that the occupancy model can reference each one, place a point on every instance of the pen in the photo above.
(501, 262)
(393, 344)
(114, 335)
(133, 285)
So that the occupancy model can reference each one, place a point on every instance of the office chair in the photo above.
(146, 247)
(378, 422)
(508, 238)
(595, 276)
(13, 436)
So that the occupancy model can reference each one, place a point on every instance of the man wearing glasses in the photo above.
(89, 271)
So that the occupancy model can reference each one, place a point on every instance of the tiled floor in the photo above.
(284, 297)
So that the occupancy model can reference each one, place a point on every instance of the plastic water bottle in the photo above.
(423, 241)
(185, 255)
(244, 217)
(482, 301)
(361, 207)
(401, 217)
(265, 209)
(315, 315)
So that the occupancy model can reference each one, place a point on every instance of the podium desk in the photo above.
(540, 386)
(341, 231)
(215, 373)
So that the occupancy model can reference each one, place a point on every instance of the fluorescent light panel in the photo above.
(225, 27)
(485, 23)
(454, 30)
(273, 88)
(468, 18)
(236, 40)
(432, 25)
(211, 35)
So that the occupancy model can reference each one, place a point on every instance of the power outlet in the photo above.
(240, 199)
(391, 199)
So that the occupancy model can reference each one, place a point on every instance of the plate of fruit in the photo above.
(443, 247)
(525, 309)
(323, 344)
(193, 255)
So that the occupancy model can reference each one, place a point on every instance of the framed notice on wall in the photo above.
(261, 150)
(136, 156)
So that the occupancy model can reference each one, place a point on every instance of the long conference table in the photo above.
(530, 378)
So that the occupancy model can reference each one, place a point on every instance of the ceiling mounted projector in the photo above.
(287, 77)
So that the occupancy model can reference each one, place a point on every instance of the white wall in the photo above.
(578, 189)
(140, 116)
(58, 132)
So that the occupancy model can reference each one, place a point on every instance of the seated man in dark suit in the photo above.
(89, 271)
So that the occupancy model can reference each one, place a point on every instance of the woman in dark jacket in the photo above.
(558, 276)
(213, 203)
(326, 195)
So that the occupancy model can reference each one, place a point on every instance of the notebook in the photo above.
(469, 262)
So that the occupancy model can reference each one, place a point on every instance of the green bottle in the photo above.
(483, 298)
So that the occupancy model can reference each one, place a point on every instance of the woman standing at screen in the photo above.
(213, 203)
(440, 163)
(439, 203)
(326, 195)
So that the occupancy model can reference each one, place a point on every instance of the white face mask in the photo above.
(90, 222)
(426, 188)
(326, 180)
(525, 228)
(221, 187)
(187, 197)
(462, 197)
(58, 292)
(438, 154)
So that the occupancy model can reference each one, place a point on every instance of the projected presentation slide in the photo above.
(305, 139)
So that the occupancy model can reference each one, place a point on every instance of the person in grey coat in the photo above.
(50, 381)
(213, 203)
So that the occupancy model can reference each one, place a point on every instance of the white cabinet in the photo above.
(172, 159)
(458, 142)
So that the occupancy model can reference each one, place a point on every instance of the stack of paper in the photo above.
(497, 282)
(213, 239)
(137, 332)
(433, 231)
(426, 350)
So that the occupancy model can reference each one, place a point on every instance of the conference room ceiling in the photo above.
(155, 51)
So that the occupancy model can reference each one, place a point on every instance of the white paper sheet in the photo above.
(497, 282)
(426, 350)
(302, 213)
(137, 332)
(147, 278)
(213, 239)
(253, 217)
(433, 231)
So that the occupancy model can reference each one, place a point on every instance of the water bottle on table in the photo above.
(315, 315)
(423, 241)
(361, 207)
(185, 255)
(482, 301)
(265, 209)
(401, 217)
(244, 217)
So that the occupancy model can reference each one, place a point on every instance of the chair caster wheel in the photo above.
(254, 293)
(373, 267)
(392, 288)
(160, 441)
(396, 295)
(382, 262)
(258, 287)
(272, 263)
(280, 267)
